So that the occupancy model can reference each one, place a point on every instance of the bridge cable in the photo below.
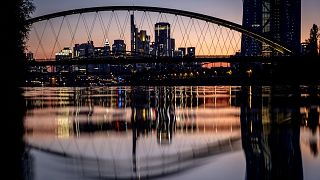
(142, 21)
(125, 24)
(40, 40)
(86, 27)
(204, 35)
(72, 32)
(217, 44)
(149, 21)
(197, 34)
(93, 24)
(109, 25)
(183, 34)
(102, 26)
(227, 46)
(189, 28)
(56, 42)
(203, 41)
(118, 24)
(174, 24)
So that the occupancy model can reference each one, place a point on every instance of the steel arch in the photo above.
(211, 19)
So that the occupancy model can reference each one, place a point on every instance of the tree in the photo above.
(16, 13)
(313, 41)
(14, 33)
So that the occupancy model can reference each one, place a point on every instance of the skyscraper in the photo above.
(140, 41)
(276, 19)
(285, 25)
(134, 36)
(119, 47)
(143, 43)
(162, 39)
(252, 19)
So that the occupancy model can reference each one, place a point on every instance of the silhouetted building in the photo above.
(119, 47)
(191, 51)
(29, 56)
(107, 48)
(162, 39)
(276, 19)
(134, 32)
(252, 19)
(182, 51)
(285, 25)
(140, 41)
(143, 43)
(64, 54)
(172, 47)
(304, 48)
(83, 50)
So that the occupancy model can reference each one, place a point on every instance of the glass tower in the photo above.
(162, 39)
(279, 20)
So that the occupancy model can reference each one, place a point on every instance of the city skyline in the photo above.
(217, 8)
(210, 42)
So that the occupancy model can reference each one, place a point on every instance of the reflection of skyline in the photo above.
(99, 123)
(271, 143)
(204, 110)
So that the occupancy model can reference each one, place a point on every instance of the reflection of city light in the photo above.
(63, 129)
(250, 96)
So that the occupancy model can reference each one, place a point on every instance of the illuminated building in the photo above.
(252, 19)
(285, 25)
(191, 51)
(182, 52)
(83, 50)
(140, 41)
(143, 43)
(29, 56)
(162, 39)
(65, 53)
(279, 20)
(118, 47)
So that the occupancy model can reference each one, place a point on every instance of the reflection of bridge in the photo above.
(108, 135)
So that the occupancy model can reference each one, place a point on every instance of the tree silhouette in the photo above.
(14, 33)
(312, 49)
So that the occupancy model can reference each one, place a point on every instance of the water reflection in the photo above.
(146, 132)
(270, 127)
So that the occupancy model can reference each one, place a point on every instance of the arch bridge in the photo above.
(109, 32)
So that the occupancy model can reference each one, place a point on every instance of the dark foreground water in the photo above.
(216, 132)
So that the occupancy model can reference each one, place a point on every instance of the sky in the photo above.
(226, 9)
(230, 10)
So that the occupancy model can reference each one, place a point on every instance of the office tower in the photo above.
(276, 19)
(191, 51)
(140, 41)
(84, 49)
(182, 51)
(134, 36)
(162, 39)
(285, 25)
(106, 48)
(252, 19)
(143, 43)
(64, 54)
(172, 46)
(119, 47)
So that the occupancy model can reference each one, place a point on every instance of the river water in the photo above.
(178, 132)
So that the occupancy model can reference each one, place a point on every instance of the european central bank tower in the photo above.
(279, 20)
